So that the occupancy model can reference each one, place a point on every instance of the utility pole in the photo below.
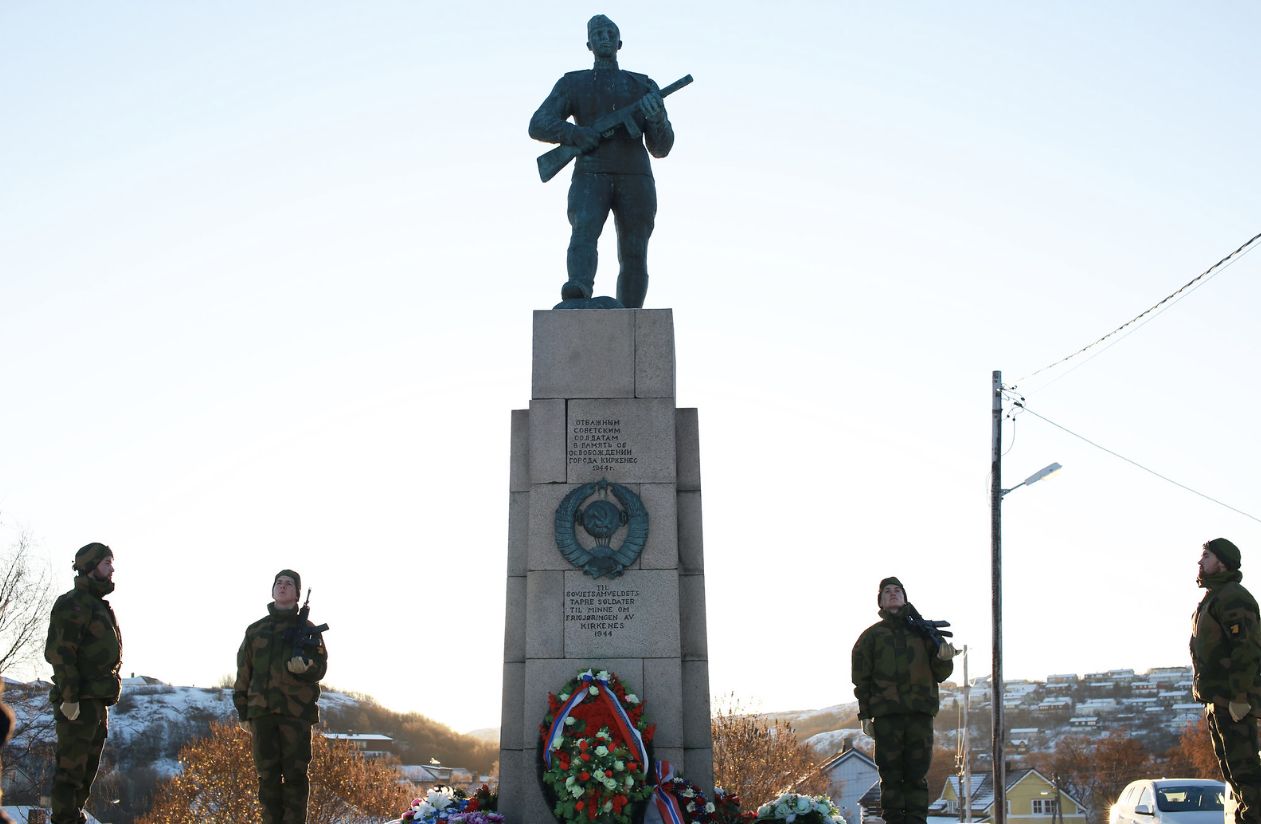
(967, 746)
(999, 815)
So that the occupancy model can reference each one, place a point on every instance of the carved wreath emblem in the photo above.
(601, 519)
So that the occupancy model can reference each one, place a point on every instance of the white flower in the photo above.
(803, 804)
(764, 811)
(709, 808)
(619, 765)
(601, 750)
(602, 675)
(630, 781)
(575, 791)
(781, 810)
(611, 783)
(632, 698)
(790, 818)
(593, 690)
(556, 744)
(564, 696)
(569, 721)
(686, 792)
(608, 806)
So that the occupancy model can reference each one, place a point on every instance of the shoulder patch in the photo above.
(1235, 628)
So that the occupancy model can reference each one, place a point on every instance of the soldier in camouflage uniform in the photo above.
(85, 649)
(896, 672)
(275, 696)
(1226, 656)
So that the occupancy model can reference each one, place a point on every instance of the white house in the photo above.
(850, 775)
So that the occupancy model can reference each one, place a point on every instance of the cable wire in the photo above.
(1135, 463)
(1173, 297)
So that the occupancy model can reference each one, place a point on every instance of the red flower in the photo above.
(586, 756)
(582, 744)
(608, 773)
(580, 805)
(584, 776)
(633, 766)
(591, 812)
(473, 806)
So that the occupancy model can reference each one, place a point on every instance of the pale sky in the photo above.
(267, 274)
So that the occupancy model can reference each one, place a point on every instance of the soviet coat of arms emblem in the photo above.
(601, 520)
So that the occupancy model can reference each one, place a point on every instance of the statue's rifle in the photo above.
(930, 630)
(553, 161)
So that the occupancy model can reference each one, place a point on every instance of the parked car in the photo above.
(1170, 801)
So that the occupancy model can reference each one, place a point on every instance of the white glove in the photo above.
(946, 651)
(297, 665)
(70, 709)
(1238, 710)
(869, 727)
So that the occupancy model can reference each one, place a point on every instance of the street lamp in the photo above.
(997, 742)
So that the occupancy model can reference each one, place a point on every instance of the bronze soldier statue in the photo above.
(85, 650)
(897, 665)
(613, 173)
(1225, 657)
(277, 687)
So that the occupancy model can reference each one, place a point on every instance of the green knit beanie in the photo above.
(1225, 551)
(86, 559)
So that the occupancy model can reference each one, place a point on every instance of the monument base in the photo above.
(602, 415)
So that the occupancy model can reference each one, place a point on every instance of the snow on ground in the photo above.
(829, 743)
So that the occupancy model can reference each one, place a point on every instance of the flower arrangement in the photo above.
(593, 747)
(727, 808)
(441, 805)
(484, 800)
(790, 807)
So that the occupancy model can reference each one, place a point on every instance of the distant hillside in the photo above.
(153, 720)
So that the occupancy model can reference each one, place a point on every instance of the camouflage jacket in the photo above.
(896, 670)
(1226, 643)
(264, 685)
(84, 645)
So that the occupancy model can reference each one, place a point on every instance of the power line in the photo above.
(1021, 405)
(1154, 309)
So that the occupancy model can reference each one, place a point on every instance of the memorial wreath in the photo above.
(593, 749)
(802, 809)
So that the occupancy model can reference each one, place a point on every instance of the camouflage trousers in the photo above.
(282, 751)
(904, 749)
(1235, 745)
(79, 745)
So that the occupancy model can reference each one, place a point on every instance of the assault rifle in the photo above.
(931, 630)
(553, 161)
(301, 637)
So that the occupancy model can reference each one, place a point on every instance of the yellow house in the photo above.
(1030, 799)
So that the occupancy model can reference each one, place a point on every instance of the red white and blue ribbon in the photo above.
(665, 808)
(625, 727)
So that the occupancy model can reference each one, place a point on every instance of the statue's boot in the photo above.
(575, 290)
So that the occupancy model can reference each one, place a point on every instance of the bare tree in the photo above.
(25, 599)
(758, 757)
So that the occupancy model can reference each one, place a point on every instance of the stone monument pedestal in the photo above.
(602, 408)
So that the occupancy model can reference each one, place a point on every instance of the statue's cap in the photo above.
(600, 21)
